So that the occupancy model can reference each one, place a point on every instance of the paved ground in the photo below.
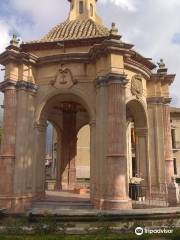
(66, 196)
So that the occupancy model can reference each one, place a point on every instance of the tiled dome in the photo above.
(76, 29)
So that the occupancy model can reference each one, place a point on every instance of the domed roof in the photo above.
(76, 29)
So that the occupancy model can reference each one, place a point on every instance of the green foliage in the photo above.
(47, 228)
(178, 180)
(99, 236)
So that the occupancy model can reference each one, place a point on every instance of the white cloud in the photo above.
(4, 35)
(44, 13)
(4, 41)
(151, 29)
(129, 5)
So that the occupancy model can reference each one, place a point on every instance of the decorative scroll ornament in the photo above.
(136, 86)
(63, 79)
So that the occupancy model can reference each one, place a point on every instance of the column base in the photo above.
(97, 202)
(19, 204)
(111, 204)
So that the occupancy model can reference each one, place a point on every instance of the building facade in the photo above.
(175, 133)
(83, 73)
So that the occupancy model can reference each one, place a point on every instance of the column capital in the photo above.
(23, 85)
(19, 85)
(158, 100)
(92, 123)
(7, 85)
(112, 78)
(40, 126)
(141, 131)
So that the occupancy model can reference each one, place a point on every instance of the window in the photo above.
(173, 135)
(81, 7)
(91, 10)
(175, 166)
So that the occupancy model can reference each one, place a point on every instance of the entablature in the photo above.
(17, 57)
(164, 78)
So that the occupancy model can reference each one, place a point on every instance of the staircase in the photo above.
(60, 207)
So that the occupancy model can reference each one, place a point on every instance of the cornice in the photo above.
(147, 62)
(137, 67)
(34, 46)
(64, 58)
(166, 78)
(109, 46)
(18, 57)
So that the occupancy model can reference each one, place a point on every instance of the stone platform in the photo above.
(73, 207)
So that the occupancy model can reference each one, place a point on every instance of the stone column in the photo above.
(100, 142)
(8, 145)
(129, 150)
(143, 169)
(69, 142)
(168, 154)
(39, 164)
(116, 195)
(93, 170)
(9, 122)
(58, 163)
(22, 145)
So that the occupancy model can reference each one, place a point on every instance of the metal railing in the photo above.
(148, 197)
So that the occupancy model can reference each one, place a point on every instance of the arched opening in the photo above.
(81, 6)
(137, 142)
(91, 10)
(83, 157)
(67, 152)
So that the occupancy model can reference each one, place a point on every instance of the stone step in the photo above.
(62, 212)
(62, 205)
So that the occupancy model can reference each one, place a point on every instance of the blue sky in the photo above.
(153, 26)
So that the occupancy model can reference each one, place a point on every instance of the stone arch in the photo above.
(136, 111)
(69, 94)
(58, 130)
(42, 114)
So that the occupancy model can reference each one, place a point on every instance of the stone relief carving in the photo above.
(136, 85)
(63, 79)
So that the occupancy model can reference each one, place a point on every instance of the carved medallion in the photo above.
(63, 79)
(136, 85)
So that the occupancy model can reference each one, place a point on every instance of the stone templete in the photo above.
(83, 73)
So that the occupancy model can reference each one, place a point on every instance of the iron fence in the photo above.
(148, 197)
